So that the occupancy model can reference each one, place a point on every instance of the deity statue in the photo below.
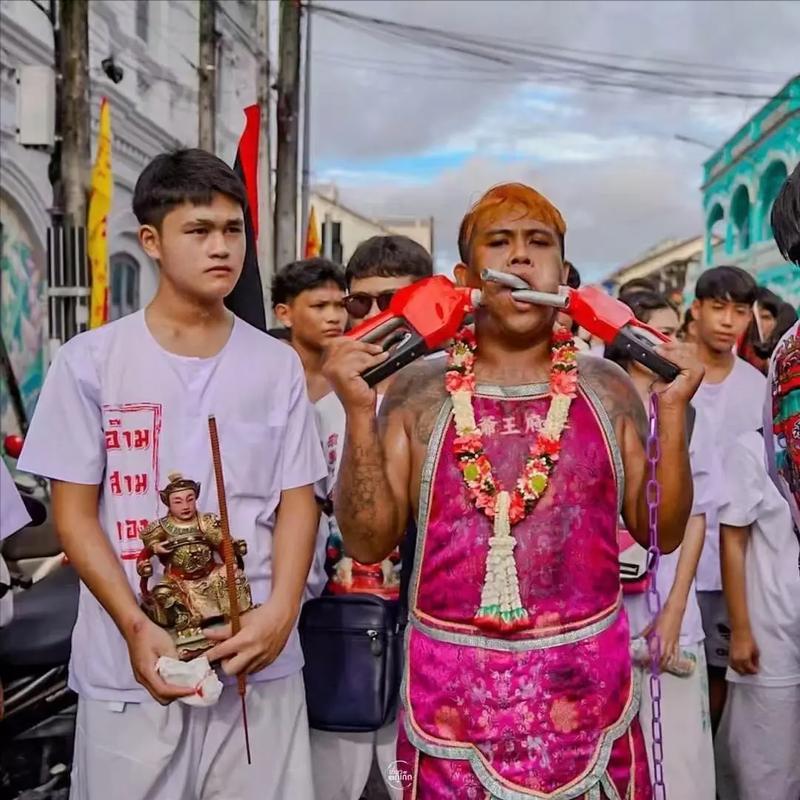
(193, 591)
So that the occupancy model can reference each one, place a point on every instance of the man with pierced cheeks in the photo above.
(517, 457)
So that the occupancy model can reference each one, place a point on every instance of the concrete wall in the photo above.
(355, 228)
(420, 230)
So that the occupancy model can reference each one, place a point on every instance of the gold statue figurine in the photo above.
(193, 591)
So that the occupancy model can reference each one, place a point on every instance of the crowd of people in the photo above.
(496, 491)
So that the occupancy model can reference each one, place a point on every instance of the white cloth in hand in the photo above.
(196, 673)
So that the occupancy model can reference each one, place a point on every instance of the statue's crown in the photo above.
(177, 483)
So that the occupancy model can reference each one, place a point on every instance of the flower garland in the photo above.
(501, 608)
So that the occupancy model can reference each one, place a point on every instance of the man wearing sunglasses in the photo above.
(378, 268)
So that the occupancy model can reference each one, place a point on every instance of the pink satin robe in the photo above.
(549, 712)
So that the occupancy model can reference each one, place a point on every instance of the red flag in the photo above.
(247, 298)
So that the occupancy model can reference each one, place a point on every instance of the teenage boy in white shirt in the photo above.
(759, 737)
(730, 398)
(127, 404)
(376, 270)
(308, 300)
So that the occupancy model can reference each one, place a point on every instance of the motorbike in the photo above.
(37, 708)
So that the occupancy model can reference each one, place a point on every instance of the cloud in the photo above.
(406, 130)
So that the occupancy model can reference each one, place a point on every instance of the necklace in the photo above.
(501, 607)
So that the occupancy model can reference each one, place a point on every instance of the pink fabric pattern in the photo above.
(547, 712)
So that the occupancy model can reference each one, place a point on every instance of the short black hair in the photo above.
(573, 276)
(768, 300)
(281, 333)
(730, 284)
(389, 257)
(688, 319)
(183, 176)
(785, 218)
(643, 302)
(300, 276)
(638, 285)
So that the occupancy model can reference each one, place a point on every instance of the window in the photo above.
(769, 186)
(715, 241)
(336, 241)
(142, 18)
(124, 293)
(740, 214)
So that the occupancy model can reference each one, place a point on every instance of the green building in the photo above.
(740, 183)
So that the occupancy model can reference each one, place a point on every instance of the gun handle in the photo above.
(640, 350)
(401, 356)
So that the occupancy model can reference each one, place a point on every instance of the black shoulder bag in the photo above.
(353, 649)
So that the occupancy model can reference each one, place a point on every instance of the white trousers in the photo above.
(758, 743)
(342, 761)
(686, 731)
(145, 751)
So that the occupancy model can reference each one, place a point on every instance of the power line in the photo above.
(530, 62)
(545, 77)
(536, 48)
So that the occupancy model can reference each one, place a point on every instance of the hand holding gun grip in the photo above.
(425, 315)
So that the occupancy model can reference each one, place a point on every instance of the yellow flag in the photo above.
(99, 208)
(313, 242)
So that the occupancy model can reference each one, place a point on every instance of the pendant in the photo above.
(501, 608)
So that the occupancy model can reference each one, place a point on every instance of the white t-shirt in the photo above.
(119, 411)
(775, 446)
(771, 577)
(13, 514)
(701, 457)
(330, 419)
(730, 408)
(331, 422)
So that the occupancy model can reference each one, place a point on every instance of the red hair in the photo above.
(503, 197)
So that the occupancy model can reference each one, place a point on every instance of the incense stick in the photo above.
(230, 572)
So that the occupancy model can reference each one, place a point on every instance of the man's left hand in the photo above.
(678, 393)
(264, 633)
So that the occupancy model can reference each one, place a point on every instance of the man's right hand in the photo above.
(345, 361)
(744, 653)
(146, 644)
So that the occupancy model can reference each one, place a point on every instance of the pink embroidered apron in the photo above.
(549, 712)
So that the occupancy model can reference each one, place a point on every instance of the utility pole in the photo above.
(304, 191)
(68, 278)
(207, 71)
(288, 102)
(266, 238)
(75, 113)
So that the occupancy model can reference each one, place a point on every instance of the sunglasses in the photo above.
(358, 305)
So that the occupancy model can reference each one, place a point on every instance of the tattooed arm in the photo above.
(371, 499)
(379, 475)
(628, 417)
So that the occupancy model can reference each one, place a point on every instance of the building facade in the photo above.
(153, 109)
(349, 228)
(664, 266)
(741, 181)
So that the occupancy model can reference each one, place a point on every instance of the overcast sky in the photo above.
(402, 129)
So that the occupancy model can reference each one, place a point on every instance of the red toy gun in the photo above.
(600, 314)
(420, 318)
